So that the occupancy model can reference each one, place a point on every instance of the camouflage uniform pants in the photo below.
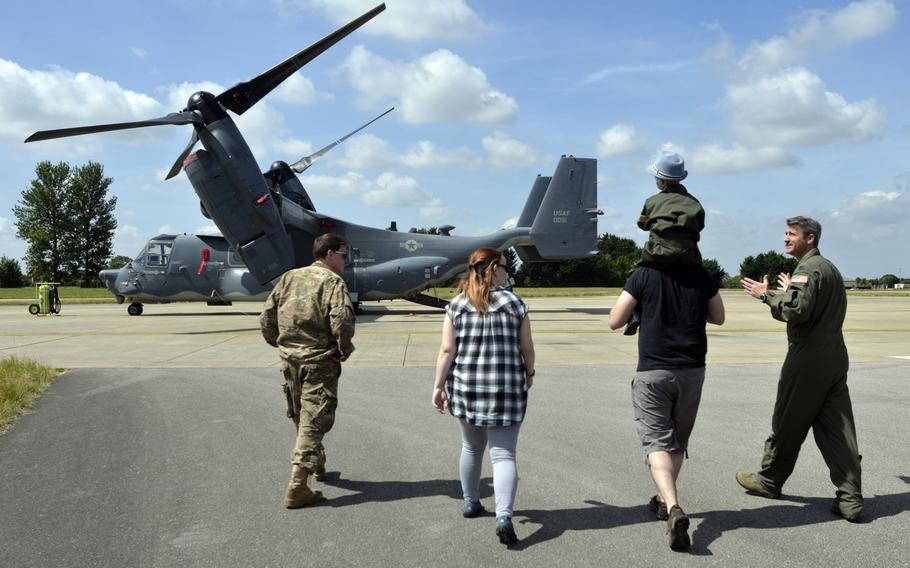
(312, 397)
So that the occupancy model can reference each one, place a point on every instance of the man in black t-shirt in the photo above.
(675, 304)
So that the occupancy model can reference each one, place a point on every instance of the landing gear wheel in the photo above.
(134, 309)
(34, 309)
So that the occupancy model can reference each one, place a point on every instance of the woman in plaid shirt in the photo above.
(484, 370)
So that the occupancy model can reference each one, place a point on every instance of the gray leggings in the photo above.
(503, 441)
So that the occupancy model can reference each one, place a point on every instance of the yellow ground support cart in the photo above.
(48, 299)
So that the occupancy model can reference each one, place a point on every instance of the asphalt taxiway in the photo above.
(166, 445)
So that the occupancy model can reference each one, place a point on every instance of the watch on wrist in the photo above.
(763, 297)
(531, 373)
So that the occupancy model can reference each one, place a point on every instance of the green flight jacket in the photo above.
(674, 218)
(815, 304)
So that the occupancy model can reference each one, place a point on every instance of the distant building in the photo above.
(850, 283)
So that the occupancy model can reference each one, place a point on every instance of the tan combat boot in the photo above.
(298, 494)
(320, 473)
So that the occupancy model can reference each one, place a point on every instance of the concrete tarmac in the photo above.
(167, 445)
(401, 334)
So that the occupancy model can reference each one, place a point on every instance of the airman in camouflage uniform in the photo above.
(812, 391)
(310, 319)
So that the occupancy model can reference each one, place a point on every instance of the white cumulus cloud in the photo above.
(392, 190)
(619, 140)
(366, 151)
(410, 20)
(505, 151)
(33, 100)
(715, 159)
(299, 90)
(350, 183)
(425, 154)
(821, 30)
(795, 108)
(437, 87)
(435, 211)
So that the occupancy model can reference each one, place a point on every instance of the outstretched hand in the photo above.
(440, 401)
(783, 281)
(753, 288)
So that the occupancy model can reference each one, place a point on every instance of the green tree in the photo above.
(67, 219)
(768, 264)
(43, 222)
(118, 261)
(888, 280)
(615, 258)
(91, 211)
(716, 270)
(10, 273)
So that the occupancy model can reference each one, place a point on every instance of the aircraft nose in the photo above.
(108, 274)
(109, 277)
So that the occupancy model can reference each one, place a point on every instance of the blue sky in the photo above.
(780, 110)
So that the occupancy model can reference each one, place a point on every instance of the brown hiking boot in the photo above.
(658, 507)
(678, 528)
(298, 494)
(749, 483)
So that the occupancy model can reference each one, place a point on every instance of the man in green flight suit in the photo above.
(812, 391)
(310, 319)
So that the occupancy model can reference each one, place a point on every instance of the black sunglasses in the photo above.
(344, 254)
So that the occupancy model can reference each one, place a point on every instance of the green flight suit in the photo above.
(812, 391)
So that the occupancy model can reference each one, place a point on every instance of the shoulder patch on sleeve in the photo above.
(800, 279)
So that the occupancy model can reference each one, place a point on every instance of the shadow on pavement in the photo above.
(816, 510)
(601, 516)
(382, 491)
(598, 516)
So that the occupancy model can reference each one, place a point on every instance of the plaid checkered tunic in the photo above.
(487, 382)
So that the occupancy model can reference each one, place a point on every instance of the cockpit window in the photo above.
(158, 254)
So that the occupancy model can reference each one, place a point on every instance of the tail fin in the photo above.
(565, 225)
(528, 253)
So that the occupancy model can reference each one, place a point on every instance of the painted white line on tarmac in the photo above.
(900, 357)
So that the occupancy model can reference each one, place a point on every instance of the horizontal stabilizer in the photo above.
(528, 253)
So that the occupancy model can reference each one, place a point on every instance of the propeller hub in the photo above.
(199, 97)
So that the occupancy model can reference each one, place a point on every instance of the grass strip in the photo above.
(21, 381)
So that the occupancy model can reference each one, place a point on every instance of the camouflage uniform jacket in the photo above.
(673, 214)
(309, 316)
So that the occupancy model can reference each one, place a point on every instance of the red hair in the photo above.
(479, 282)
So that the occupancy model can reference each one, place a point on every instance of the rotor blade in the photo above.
(242, 96)
(185, 117)
(178, 165)
(300, 165)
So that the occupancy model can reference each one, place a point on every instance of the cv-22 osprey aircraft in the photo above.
(270, 221)
(382, 265)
